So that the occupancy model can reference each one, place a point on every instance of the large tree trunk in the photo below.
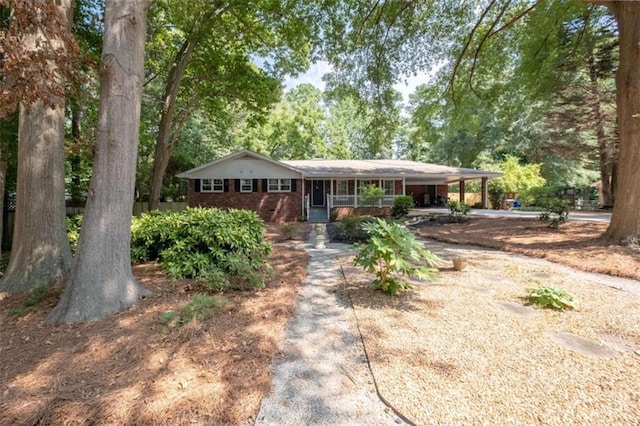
(625, 221)
(101, 281)
(164, 141)
(40, 254)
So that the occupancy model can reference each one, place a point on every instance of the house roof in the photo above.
(382, 168)
(412, 171)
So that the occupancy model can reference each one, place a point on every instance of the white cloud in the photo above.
(313, 76)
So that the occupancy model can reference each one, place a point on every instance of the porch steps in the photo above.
(318, 215)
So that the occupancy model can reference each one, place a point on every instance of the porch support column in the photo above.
(304, 213)
(331, 189)
(380, 186)
(355, 191)
(485, 194)
(461, 191)
(404, 186)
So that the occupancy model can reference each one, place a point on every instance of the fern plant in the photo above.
(392, 251)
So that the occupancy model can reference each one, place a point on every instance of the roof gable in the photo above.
(242, 164)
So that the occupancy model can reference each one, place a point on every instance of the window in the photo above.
(212, 185)
(246, 185)
(342, 187)
(279, 185)
(389, 187)
(363, 184)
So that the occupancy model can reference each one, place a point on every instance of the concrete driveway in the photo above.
(589, 216)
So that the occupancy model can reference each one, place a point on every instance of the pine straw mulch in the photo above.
(575, 244)
(129, 369)
(465, 348)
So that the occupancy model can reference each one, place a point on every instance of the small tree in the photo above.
(393, 250)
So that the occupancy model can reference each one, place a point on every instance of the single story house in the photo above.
(312, 189)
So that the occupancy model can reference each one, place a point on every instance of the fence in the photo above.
(471, 198)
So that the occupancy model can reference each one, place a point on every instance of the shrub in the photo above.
(393, 250)
(556, 211)
(371, 195)
(205, 244)
(551, 297)
(401, 205)
(497, 196)
(73, 231)
(201, 308)
(288, 231)
(457, 209)
(350, 229)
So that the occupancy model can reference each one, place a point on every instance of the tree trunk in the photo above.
(40, 253)
(603, 143)
(164, 146)
(101, 281)
(625, 221)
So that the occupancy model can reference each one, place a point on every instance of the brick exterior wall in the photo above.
(340, 212)
(418, 192)
(271, 206)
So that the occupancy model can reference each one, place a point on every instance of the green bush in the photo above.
(288, 231)
(401, 205)
(457, 209)
(497, 196)
(371, 195)
(556, 211)
(393, 250)
(73, 231)
(551, 297)
(350, 229)
(225, 249)
(538, 196)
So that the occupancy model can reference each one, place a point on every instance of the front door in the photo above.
(317, 198)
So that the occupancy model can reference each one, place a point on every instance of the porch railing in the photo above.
(350, 201)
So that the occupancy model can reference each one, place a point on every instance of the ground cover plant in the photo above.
(551, 297)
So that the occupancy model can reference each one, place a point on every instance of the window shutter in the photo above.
(254, 185)
(293, 185)
(225, 186)
(236, 185)
(265, 187)
(197, 182)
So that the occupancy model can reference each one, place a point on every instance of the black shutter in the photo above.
(237, 184)
(255, 185)
(225, 185)
(293, 185)
(265, 187)
(197, 182)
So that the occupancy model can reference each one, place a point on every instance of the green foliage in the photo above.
(371, 195)
(37, 296)
(401, 205)
(457, 209)
(551, 297)
(556, 211)
(225, 249)
(393, 250)
(73, 231)
(350, 229)
(539, 195)
(497, 196)
(201, 308)
(288, 231)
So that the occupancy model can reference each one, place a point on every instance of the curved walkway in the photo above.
(322, 375)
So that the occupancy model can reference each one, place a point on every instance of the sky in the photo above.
(320, 68)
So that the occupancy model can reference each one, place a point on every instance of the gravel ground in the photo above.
(322, 375)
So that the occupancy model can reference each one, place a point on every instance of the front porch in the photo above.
(344, 196)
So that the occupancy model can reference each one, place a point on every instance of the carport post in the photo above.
(461, 190)
(485, 197)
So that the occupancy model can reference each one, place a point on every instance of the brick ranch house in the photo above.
(290, 190)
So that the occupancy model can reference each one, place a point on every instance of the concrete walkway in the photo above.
(322, 376)
(574, 215)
